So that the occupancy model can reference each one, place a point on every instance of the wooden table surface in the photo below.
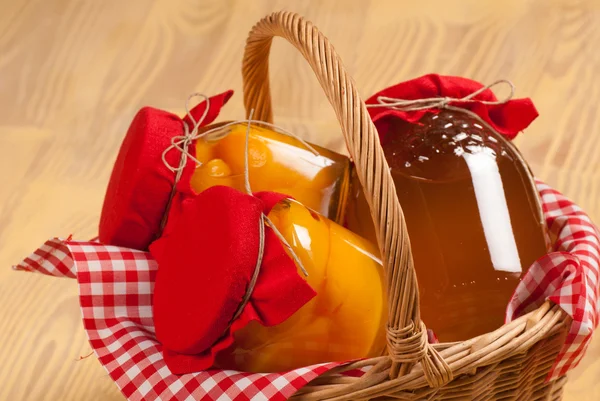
(73, 73)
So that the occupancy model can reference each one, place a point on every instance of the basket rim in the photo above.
(464, 357)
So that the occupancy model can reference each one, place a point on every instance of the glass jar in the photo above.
(346, 319)
(473, 215)
(277, 162)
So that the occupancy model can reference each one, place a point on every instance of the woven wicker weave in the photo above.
(510, 363)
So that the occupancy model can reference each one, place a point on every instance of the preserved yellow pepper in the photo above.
(277, 162)
(346, 320)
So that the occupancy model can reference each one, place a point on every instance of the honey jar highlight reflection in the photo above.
(473, 216)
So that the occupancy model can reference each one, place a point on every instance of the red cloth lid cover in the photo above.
(206, 260)
(508, 118)
(140, 184)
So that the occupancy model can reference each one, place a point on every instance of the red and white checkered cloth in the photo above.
(116, 287)
(568, 276)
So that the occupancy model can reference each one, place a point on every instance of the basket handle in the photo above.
(407, 337)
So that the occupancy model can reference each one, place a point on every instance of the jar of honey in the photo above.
(346, 319)
(316, 177)
(473, 216)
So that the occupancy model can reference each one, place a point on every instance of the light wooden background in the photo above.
(73, 73)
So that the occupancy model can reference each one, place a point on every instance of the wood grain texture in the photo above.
(73, 73)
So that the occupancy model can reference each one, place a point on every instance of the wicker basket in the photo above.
(510, 363)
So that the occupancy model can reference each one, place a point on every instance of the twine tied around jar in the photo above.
(183, 142)
(442, 102)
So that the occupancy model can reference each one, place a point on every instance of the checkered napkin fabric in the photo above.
(116, 287)
(568, 276)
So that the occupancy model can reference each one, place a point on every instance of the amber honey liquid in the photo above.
(473, 216)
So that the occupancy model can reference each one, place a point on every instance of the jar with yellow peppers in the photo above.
(344, 321)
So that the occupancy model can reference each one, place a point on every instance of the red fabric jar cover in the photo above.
(507, 118)
(140, 184)
(206, 259)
